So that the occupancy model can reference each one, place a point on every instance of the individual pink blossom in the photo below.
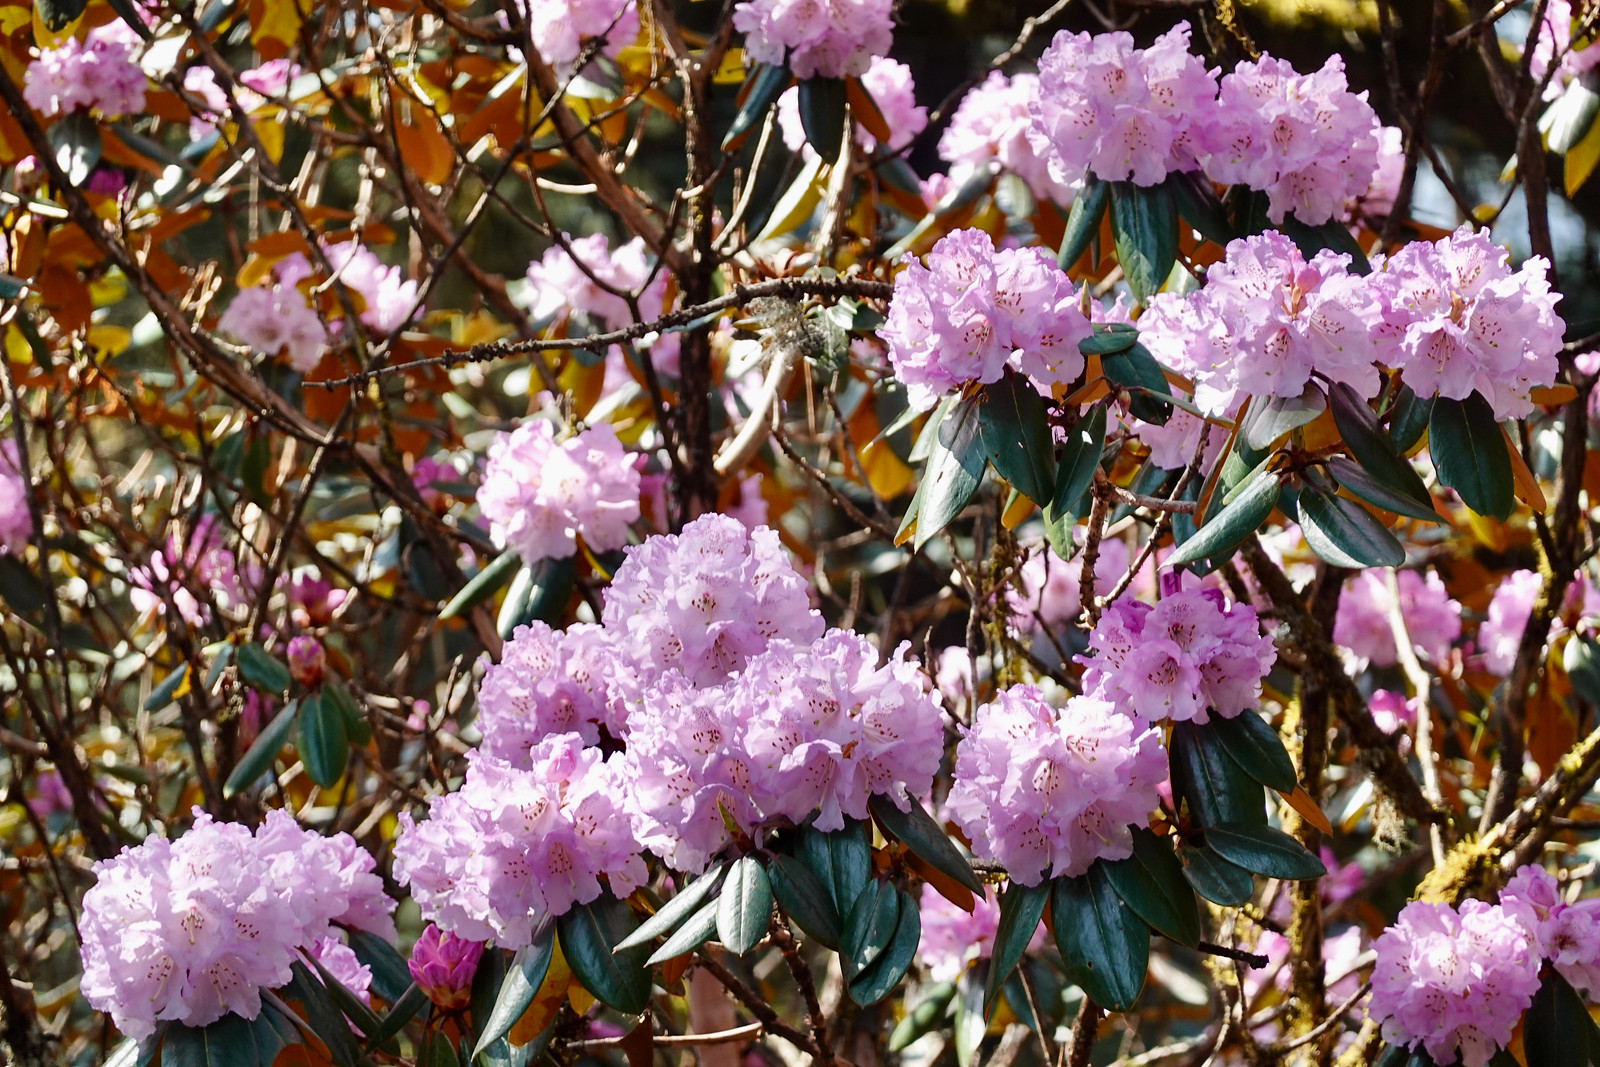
(253, 88)
(1455, 318)
(1046, 792)
(972, 311)
(559, 27)
(1508, 614)
(443, 966)
(951, 937)
(890, 85)
(513, 847)
(1454, 982)
(1568, 935)
(751, 510)
(97, 73)
(1304, 139)
(270, 319)
(307, 660)
(313, 600)
(16, 522)
(1188, 335)
(595, 281)
(541, 495)
(817, 38)
(1433, 620)
(329, 879)
(1191, 654)
(991, 125)
(1108, 109)
(1555, 45)
(340, 961)
(1049, 589)
(388, 297)
(704, 601)
(547, 682)
(1393, 713)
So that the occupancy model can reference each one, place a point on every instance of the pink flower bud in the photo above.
(443, 964)
(307, 661)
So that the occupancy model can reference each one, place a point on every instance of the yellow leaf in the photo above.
(582, 999)
(270, 132)
(731, 70)
(546, 1002)
(111, 340)
(13, 19)
(888, 476)
(1019, 509)
(1580, 159)
(798, 201)
(1307, 809)
(279, 21)
(1527, 486)
(44, 37)
(17, 348)
(1552, 396)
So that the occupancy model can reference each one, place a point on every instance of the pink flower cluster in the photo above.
(1118, 112)
(1456, 318)
(195, 928)
(541, 495)
(992, 125)
(97, 73)
(1455, 982)
(1046, 792)
(1555, 44)
(1049, 590)
(951, 937)
(16, 522)
(589, 279)
(890, 85)
(818, 38)
(972, 311)
(253, 90)
(1568, 935)
(520, 843)
(1304, 139)
(386, 294)
(275, 318)
(1512, 605)
(200, 561)
(559, 27)
(802, 728)
(1433, 620)
(547, 682)
(1188, 655)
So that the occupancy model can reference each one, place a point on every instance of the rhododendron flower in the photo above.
(589, 279)
(541, 495)
(1108, 109)
(1046, 792)
(340, 961)
(98, 72)
(252, 89)
(893, 91)
(1189, 655)
(817, 38)
(1454, 982)
(328, 879)
(1433, 620)
(201, 561)
(1568, 935)
(952, 937)
(307, 660)
(388, 297)
(443, 966)
(1455, 318)
(1304, 139)
(313, 600)
(16, 522)
(515, 846)
(270, 319)
(547, 682)
(559, 27)
(992, 125)
(1555, 44)
(1050, 589)
(972, 311)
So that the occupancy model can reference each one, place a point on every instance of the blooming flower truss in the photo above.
(97, 73)
(387, 295)
(589, 279)
(560, 27)
(1512, 605)
(1047, 791)
(1107, 109)
(973, 311)
(203, 560)
(1567, 934)
(16, 521)
(547, 682)
(275, 318)
(516, 846)
(952, 937)
(817, 38)
(991, 124)
(1362, 624)
(1189, 655)
(541, 495)
(1454, 318)
(890, 85)
(194, 928)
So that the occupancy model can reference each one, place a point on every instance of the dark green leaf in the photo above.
(1198, 206)
(1144, 221)
(358, 731)
(1256, 748)
(1083, 221)
(1216, 788)
(1346, 534)
(1581, 658)
(322, 743)
(1362, 484)
(327, 1021)
(1151, 883)
(1269, 419)
(352, 1007)
(823, 104)
(672, 914)
(390, 976)
(970, 1021)
(261, 669)
(869, 928)
(744, 907)
(1393, 1056)
(1374, 451)
(438, 1052)
(258, 760)
(163, 694)
(1215, 878)
(1136, 370)
(1109, 338)
(924, 1018)
(588, 933)
(695, 931)
(1408, 418)
(135, 1053)
(408, 1007)
(1015, 429)
(1104, 945)
(1332, 235)
(1080, 455)
(955, 467)
(1470, 455)
(231, 1041)
(879, 978)
(75, 140)
(57, 15)
(523, 978)
(842, 861)
(1264, 850)
(923, 835)
(21, 589)
(1238, 520)
(1021, 908)
(804, 899)
(539, 591)
(1557, 1028)
(764, 84)
(1567, 120)
(482, 585)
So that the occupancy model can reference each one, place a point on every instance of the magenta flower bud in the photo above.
(307, 661)
(442, 965)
